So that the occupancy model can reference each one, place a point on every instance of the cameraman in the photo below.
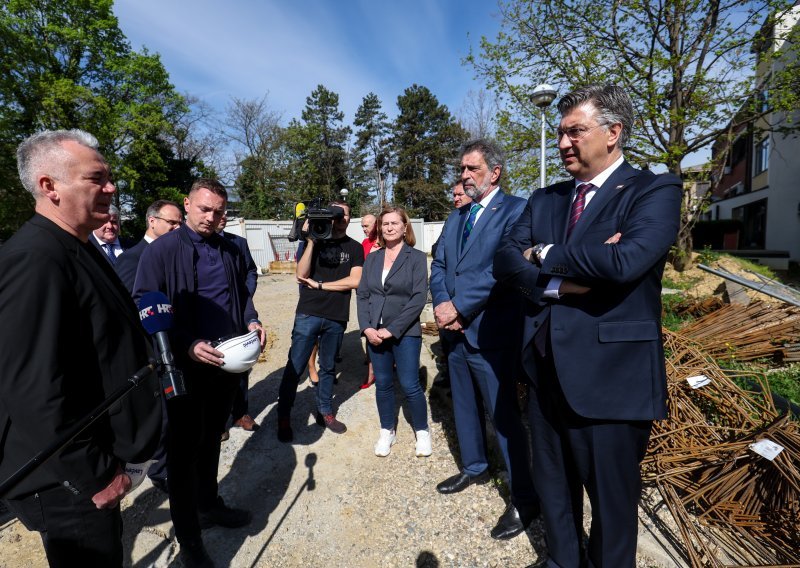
(327, 271)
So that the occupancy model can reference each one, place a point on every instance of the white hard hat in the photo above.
(241, 352)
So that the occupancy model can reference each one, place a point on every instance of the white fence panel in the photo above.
(268, 240)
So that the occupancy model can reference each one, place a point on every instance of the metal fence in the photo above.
(268, 240)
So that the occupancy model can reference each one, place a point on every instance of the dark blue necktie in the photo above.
(112, 258)
(473, 213)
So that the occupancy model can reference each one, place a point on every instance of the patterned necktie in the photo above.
(110, 253)
(577, 206)
(473, 213)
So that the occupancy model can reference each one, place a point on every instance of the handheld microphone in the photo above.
(299, 218)
(155, 312)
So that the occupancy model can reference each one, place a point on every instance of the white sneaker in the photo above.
(385, 442)
(423, 444)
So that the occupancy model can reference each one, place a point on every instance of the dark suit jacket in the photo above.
(123, 243)
(168, 265)
(606, 344)
(252, 269)
(127, 263)
(400, 300)
(491, 310)
(71, 336)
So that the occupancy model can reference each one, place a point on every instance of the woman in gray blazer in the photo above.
(390, 298)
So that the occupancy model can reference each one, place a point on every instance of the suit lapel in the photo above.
(399, 261)
(621, 178)
(484, 221)
(561, 204)
(106, 279)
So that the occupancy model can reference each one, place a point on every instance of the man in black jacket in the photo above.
(240, 417)
(162, 216)
(71, 336)
(204, 276)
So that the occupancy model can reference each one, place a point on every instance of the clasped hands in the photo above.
(377, 336)
(447, 317)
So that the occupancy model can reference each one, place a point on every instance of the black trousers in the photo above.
(74, 531)
(196, 422)
(240, 398)
(570, 453)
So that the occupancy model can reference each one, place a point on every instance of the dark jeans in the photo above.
(74, 531)
(405, 353)
(196, 422)
(307, 330)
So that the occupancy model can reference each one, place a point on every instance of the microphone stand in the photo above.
(70, 435)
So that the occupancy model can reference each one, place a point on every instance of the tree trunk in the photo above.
(681, 254)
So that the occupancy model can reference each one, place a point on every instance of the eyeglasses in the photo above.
(170, 222)
(576, 133)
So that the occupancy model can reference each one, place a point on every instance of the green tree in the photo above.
(687, 64)
(372, 150)
(262, 156)
(425, 145)
(328, 136)
(66, 64)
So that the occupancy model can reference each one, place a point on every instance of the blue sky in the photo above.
(216, 49)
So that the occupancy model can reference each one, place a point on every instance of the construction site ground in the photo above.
(328, 500)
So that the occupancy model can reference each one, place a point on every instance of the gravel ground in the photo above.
(327, 499)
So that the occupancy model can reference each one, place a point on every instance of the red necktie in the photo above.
(577, 206)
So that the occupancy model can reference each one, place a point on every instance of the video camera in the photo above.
(320, 220)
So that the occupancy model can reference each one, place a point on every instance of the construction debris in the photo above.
(764, 285)
(430, 328)
(726, 465)
(746, 333)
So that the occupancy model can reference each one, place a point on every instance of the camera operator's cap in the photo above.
(241, 352)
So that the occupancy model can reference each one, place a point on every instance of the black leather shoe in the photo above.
(224, 516)
(285, 433)
(194, 555)
(461, 481)
(511, 523)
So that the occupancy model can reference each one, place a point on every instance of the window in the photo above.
(761, 157)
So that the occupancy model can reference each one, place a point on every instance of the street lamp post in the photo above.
(542, 96)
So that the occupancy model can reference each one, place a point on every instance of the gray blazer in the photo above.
(400, 300)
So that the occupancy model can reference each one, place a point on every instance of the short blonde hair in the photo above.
(408, 236)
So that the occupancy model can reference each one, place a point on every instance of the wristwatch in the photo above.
(536, 254)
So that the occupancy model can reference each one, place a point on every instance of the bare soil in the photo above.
(327, 499)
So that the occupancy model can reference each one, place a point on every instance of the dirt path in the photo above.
(325, 500)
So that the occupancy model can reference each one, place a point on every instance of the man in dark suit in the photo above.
(589, 254)
(204, 276)
(240, 418)
(483, 321)
(106, 237)
(71, 336)
(162, 217)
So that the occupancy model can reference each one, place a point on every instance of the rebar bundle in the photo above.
(746, 333)
(732, 506)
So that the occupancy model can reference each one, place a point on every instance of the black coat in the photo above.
(71, 336)
(128, 262)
